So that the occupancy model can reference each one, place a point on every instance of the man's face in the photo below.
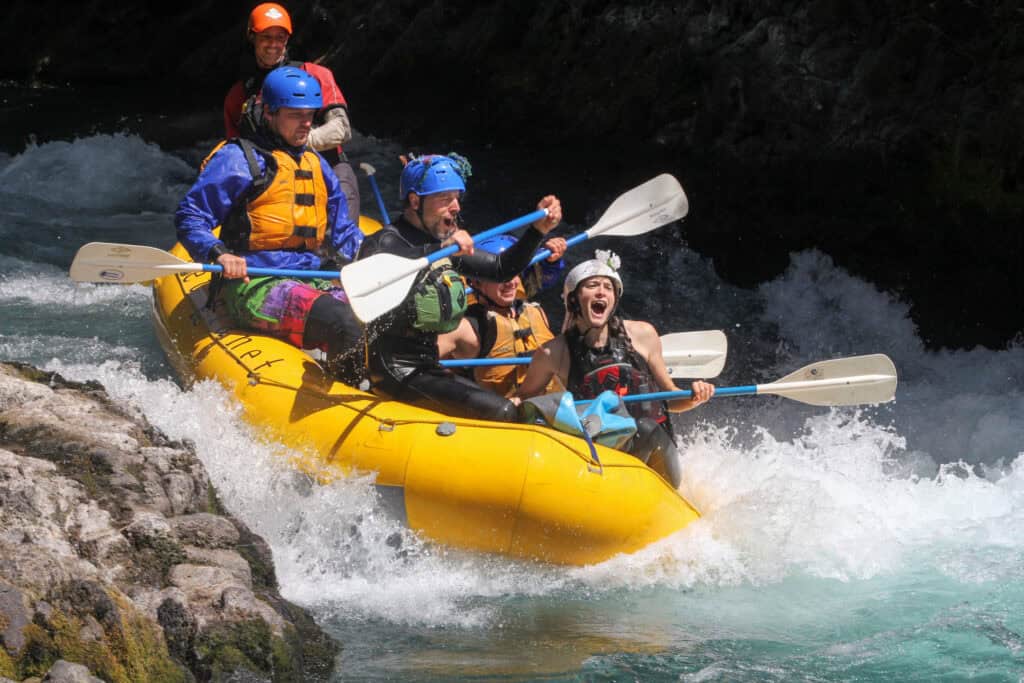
(293, 125)
(439, 212)
(269, 46)
(501, 293)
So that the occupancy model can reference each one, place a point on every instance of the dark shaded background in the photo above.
(887, 134)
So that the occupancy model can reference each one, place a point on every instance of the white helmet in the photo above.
(604, 263)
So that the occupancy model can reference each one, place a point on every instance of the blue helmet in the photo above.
(536, 277)
(496, 244)
(433, 173)
(289, 86)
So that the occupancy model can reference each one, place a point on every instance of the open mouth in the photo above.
(599, 307)
(449, 224)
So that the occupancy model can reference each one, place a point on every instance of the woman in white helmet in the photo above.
(600, 351)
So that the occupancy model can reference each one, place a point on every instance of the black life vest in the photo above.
(615, 367)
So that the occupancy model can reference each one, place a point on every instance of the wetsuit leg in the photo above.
(350, 186)
(438, 389)
(650, 439)
(332, 322)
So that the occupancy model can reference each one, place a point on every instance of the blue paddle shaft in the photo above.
(571, 242)
(437, 255)
(483, 362)
(748, 390)
(499, 230)
(280, 272)
(544, 253)
(380, 200)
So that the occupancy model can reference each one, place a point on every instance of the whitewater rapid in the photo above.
(898, 510)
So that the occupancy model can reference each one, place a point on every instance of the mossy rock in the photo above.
(244, 646)
(7, 665)
(130, 650)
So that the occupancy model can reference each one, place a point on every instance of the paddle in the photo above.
(838, 382)
(370, 171)
(663, 184)
(377, 284)
(687, 355)
(126, 263)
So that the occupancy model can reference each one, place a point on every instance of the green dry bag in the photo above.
(439, 299)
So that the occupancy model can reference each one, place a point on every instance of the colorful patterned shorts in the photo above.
(276, 306)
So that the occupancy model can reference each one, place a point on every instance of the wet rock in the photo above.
(206, 530)
(227, 559)
(15, 615)
(69, 672)
(112, 557)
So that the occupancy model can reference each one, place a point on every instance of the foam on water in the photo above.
(49, 286)
(951, 405)
(108, 173)
(833, 503)
(333, 544)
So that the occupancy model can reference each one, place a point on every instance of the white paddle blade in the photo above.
(839, 382)
(125, 263)
(645, 208)
(377, 284)
(694, 355)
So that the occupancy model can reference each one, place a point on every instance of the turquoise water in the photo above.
(873, 544)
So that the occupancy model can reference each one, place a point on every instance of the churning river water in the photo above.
(874, 543)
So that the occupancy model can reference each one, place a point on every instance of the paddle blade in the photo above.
(125, 263)
(839, 382)
(694, 355)
(377, 284)
(646, 207)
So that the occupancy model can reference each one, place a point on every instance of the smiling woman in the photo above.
(598, 351)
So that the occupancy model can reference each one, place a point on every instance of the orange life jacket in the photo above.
(287, 208)
(515, 338)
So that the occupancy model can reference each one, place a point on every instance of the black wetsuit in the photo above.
(618, 366)
(403, 361)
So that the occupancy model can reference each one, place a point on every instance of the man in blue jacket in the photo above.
(277, 202)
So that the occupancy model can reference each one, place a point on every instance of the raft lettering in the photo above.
(239, 341)
(267, 364)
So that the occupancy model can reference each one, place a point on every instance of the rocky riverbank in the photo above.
(117, 560)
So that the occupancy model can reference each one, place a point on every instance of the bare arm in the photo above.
(462, 342)
(550, 360)
(646, 341)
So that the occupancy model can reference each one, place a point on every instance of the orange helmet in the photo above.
(267, 15)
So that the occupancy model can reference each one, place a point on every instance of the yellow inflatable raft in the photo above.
(521, 490)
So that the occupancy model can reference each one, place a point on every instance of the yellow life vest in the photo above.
(516, 337)
(287, 208)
